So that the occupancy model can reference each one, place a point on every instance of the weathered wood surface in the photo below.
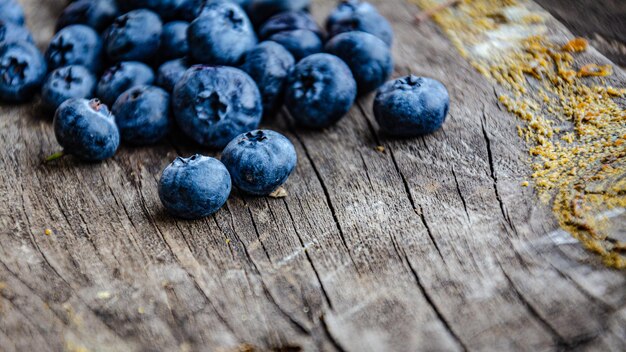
(429, 245)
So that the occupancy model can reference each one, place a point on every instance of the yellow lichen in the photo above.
(572, 121)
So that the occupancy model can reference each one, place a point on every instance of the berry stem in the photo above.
(54, 156)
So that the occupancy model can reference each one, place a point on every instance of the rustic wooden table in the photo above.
(428, 244)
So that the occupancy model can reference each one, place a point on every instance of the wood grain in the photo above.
(429, 245)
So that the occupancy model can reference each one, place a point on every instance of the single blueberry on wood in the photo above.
(11, 32)
(174, 40)
(142, 114)
(320, 91)
(357, 15)
(86, 129)
(269, 64)
(368, 57)
(170, 73)
(221, 35)
(214, 104)
(259, 161)
(195, 187)
(411, 106)
(75, 45)
(134, 36)
(22, 71)
(97, 14)
(11, 11)
(300, 42)
(67, 82)
(121, 77)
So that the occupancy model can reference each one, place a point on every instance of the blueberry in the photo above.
(368, 57)
(300, 42)
(97, 14)
(221, 35)
(142, 114)
(11, 32)
(259, 161)
(67, 82)
(261, 10)
(213, 105)
(320, 90)
(167, 9)
(22, 71)
(121, 77)
(195, 187)
(170, 73)
(269, 64)
(356, 15)
(174, 40)
(411, 106)
(11, 11)
(289, 21)
(86, 129)
(75, 45)
(134, 36)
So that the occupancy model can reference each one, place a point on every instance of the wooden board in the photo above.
(431, 244)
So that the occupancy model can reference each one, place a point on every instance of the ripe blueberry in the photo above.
(174, 40)
(134, 36)
(300, 42)
(261, 10)
(142, 114)
(213, 105)
(86, 129)
(195, 187)
(22, 71)
(259, 161)
(357, 15)
(368, 57)
(11, 11)
(269, 64)
(221, 35)
(289, 21)
(67, 82)
(97, 14)
(11, 32)
(320, 90)
(121, 77)
(75, 45)
(411, 106)
(170, 73)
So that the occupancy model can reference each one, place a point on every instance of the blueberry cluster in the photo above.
(132, 70)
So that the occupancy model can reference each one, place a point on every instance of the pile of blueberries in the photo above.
(221, 66)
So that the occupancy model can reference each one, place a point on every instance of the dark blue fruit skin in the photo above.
(320, 91)
(259, 161)
(174, 40)
(213, 105)
(300, 42)
(121, 77)
(170, 73)
(75, 45)
(86, 129)
(134, 36)
(261, 10)
(67, 82)
(168, 10)
(11, 11)
(97, 14)
(221, 35)
(356, 15)
(368, 57)
(269, 64)
(22, 71)
(11, 32)
(194, 188)
(411, 106)
(289, 21)
(143, 115)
